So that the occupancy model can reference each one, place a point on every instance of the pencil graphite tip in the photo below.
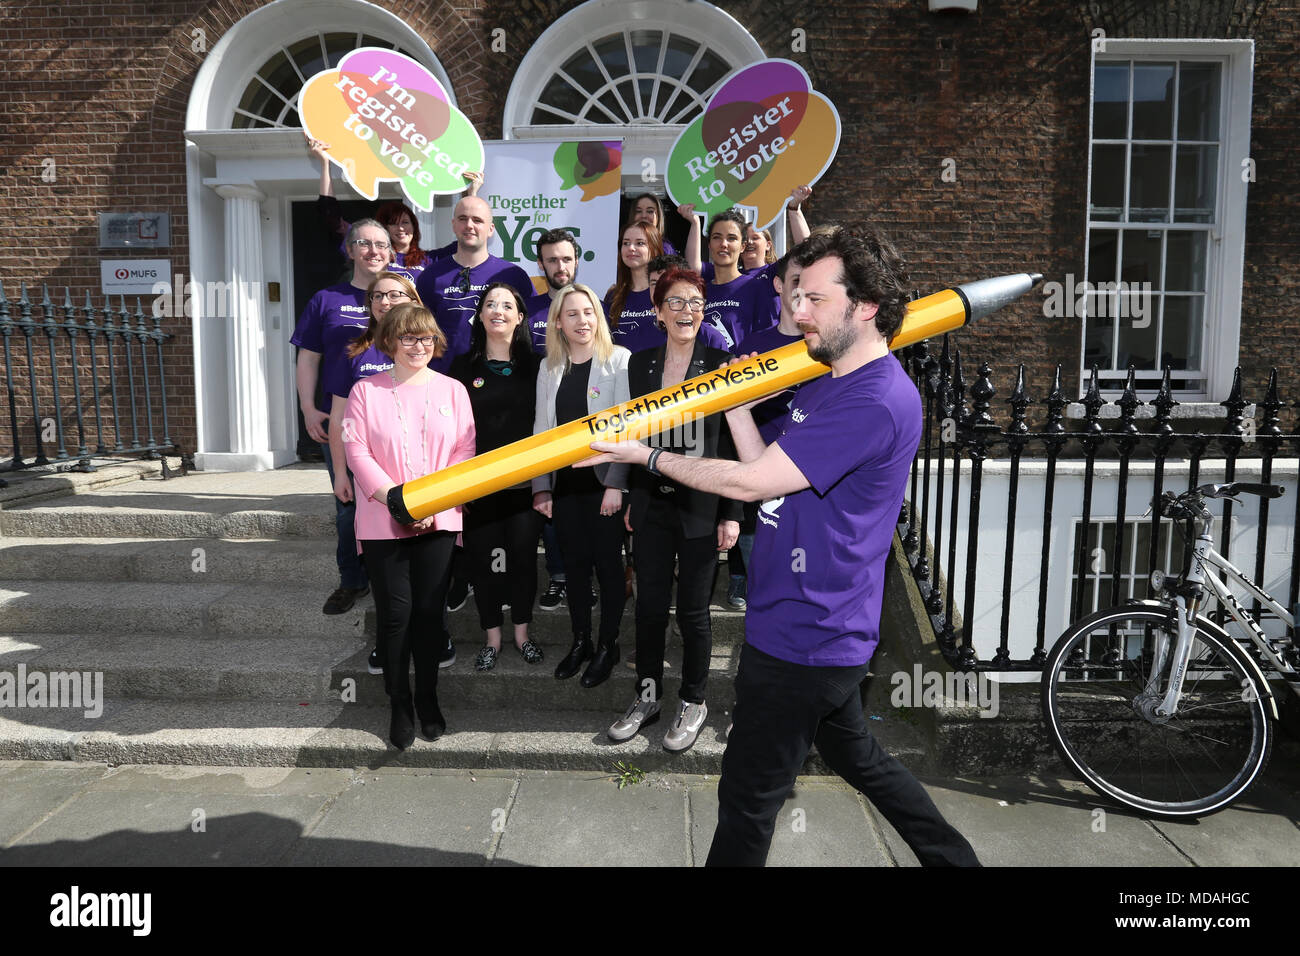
(988, 295)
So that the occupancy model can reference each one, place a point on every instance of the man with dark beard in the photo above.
(831, 484)
(557, 255)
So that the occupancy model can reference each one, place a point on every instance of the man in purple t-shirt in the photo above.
(831, 486)
(451, 287)
(557, 255)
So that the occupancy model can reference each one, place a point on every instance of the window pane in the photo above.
(1137, 346)
(563, 96)
(1149, 184)
(1098, 342)
(1110, 101)
(611, 103)
(1184, 322)
(708, 71)
(647, 94)
(1153, 100)
(613, 53)
(1185, 262)
(645, 47)
(279, 73)
(1194, 189)
(626, 90)
(1141, 263)
(680, 53)
(1198, 101)
(544, 117)
(1103, 245)
(584, 71)
(1107, 183)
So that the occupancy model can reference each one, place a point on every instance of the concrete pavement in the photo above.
(85, 814)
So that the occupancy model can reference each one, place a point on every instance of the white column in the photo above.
(246, 340)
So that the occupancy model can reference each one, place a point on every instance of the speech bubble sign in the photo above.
(594, 165)
(388, 119)
(764, 132)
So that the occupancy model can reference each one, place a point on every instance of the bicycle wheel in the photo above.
(1101, 684)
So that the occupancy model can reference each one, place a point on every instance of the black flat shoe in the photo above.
(432, 724)
(342, 599)
(573, 661)
(401, 726)
(601, 665)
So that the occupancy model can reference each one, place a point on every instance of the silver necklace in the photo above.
(424, 430)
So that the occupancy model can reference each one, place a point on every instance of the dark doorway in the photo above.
(318, 262)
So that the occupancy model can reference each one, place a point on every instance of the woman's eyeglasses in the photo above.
(394, 295)
(372, 244)
(677, 304)
(410, 340)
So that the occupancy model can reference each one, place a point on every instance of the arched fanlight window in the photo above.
(632, 76)
(271, 97)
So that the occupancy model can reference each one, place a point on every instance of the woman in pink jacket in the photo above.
(403, 424)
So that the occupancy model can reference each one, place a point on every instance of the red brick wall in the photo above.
(101, 89)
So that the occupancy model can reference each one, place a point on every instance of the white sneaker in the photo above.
(690, 719)
(641, 712)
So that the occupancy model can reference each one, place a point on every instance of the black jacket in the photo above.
(700, 511)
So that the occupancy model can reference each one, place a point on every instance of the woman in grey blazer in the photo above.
(584, 372)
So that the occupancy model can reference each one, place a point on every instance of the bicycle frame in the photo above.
(1199, 576)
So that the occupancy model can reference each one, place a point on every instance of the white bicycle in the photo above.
(1158, 706)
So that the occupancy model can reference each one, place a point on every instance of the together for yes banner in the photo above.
(537, 185)
(763, 133)
(387, 118)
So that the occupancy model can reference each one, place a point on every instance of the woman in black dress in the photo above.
(501, 530)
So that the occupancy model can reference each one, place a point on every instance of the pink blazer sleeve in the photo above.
(366, 472)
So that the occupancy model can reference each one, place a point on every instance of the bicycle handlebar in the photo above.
(1190, 504)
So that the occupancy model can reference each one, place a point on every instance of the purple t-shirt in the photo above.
(637, 320)
(364, 365)
(746, 304)
(642, 330)
(333, 318)
(538, 308)
(451, 291)
(769, 413)
(818, 569)
(412, 271)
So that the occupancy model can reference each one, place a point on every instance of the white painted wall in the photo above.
(1067, 511)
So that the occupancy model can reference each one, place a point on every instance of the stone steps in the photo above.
(321, 670)
(199, 601)
(334, 734)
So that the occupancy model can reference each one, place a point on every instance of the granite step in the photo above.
(335, 734)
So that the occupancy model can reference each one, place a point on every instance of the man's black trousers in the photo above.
(782, 709)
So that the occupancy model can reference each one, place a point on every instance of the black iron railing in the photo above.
(82, 382)
(944, 515)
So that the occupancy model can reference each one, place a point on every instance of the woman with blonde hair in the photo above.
(584, 372)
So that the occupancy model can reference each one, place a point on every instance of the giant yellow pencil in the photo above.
(703, 395)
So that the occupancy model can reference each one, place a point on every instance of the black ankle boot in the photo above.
(600, 666)
(572, 662)
(401, 726)
(432, 724)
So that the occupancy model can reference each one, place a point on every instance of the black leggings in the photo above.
(409, 577)
(587, 539)
(501, 534)
(660, 541)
